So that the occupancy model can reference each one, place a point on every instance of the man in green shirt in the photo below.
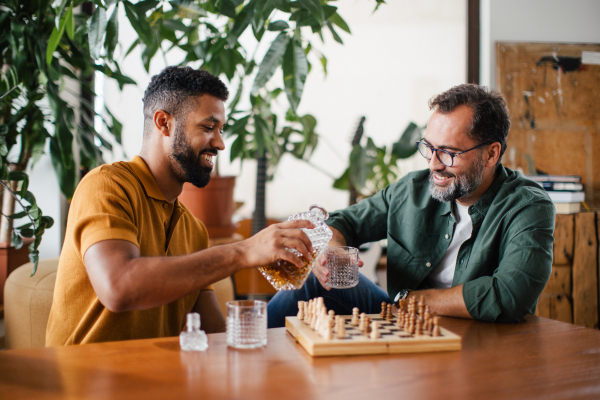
(469, 235)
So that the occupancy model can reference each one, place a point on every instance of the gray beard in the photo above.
(462, 186)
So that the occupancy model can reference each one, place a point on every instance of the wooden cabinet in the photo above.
(571, 294)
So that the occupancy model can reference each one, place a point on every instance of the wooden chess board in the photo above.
(392, 340)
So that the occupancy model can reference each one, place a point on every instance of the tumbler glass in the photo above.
(342, 264)
(247, 324)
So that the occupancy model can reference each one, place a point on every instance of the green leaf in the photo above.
(406, 146)
(278, 26)
(242, 20)
(271, 61)
(315, 8)
(336, 37)
(295, 69)
(139, 23)
(66, 174)
(97, 28)
(339, 21)
(112, 33)
(18, 215)
(17, 176)
(70, 23)
(34, 257)
(49, 221)
(343, 182)
(187, 9)
(144, 6)
(16, 240)
(56, 36)
(238, 147)
(117, 128)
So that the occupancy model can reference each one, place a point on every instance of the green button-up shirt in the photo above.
(503, 267)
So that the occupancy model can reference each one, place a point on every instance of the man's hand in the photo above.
(322, 273)
(269, 245)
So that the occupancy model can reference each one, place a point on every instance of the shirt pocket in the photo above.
(397, 253)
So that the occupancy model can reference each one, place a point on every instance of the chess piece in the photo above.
(300, 310)
(400, 320)
(436, 326)
(328, 332)
(367, 325)
(354, 320)
(374, 330)
(421, 305)
(419, 327)
(341, 330)
(361, 324)
(389, 315)
(382, 313)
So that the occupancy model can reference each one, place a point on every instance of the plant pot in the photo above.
(213, 204)
(11, 259)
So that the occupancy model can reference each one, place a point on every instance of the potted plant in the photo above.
(42, 46)
(208, 35)
(371, 168)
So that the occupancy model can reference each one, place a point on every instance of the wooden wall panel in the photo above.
(563, 240)
(585, 271)
(553, 101)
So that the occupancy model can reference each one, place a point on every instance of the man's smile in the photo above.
(208, 158)
(441, 179)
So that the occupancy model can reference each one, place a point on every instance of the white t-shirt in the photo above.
(443, 273)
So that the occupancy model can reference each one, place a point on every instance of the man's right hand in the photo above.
(269, 245)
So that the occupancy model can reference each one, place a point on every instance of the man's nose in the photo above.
(435, 164)
(217, 141)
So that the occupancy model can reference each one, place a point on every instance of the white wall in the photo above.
(394, 61)
(571, 21)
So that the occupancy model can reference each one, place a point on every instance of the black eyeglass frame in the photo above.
(452, 155)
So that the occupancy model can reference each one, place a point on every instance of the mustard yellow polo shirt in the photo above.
(119, 201)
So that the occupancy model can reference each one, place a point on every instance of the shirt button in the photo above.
(447, 236)
(428, 264)
(165, 205)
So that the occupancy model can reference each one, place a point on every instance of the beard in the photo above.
(462, 186)
(189, 162)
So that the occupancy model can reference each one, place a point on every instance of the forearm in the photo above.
(446, 302)
(146, 282)
(337, 239)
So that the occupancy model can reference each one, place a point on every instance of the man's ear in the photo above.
(163, 122)
(493, 154)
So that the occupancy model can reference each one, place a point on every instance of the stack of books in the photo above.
(565, 191)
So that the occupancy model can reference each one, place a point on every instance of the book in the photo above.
(562, 186)
(566, 197)
(554, 178)
(567, 208)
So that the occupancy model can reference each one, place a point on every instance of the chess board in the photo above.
(392, 340)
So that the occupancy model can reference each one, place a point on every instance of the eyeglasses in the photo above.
(445, 157)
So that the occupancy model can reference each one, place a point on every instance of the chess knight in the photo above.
(471, 236)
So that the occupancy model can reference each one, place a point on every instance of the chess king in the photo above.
(135, 260)
(471, 236)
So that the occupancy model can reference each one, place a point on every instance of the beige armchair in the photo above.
(27, 302)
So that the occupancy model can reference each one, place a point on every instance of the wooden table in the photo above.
(536, 359)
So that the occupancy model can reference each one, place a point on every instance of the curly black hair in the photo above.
(491, 118)
(173, 86)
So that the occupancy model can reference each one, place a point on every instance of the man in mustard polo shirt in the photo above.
(135, 261)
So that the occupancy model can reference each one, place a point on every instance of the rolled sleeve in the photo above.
(523, 271)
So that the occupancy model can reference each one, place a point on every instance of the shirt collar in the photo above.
(140, 169)
(483, 204)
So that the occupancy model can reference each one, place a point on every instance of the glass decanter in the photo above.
(286, 276)
(193, 339)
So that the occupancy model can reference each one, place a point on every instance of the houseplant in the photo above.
(371, 168)
(207, 35)
(42, 47)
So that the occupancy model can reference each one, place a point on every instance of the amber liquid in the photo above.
(284, 275)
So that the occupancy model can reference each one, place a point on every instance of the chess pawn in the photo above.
(374, 330)
(400, 321)
(341, 329)
(300, 310)
(361, 324)
(389, 316)
(367, 325)
(383, 308)
(354, 320)
(436, 326)
(328, 332)
(419, 327)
